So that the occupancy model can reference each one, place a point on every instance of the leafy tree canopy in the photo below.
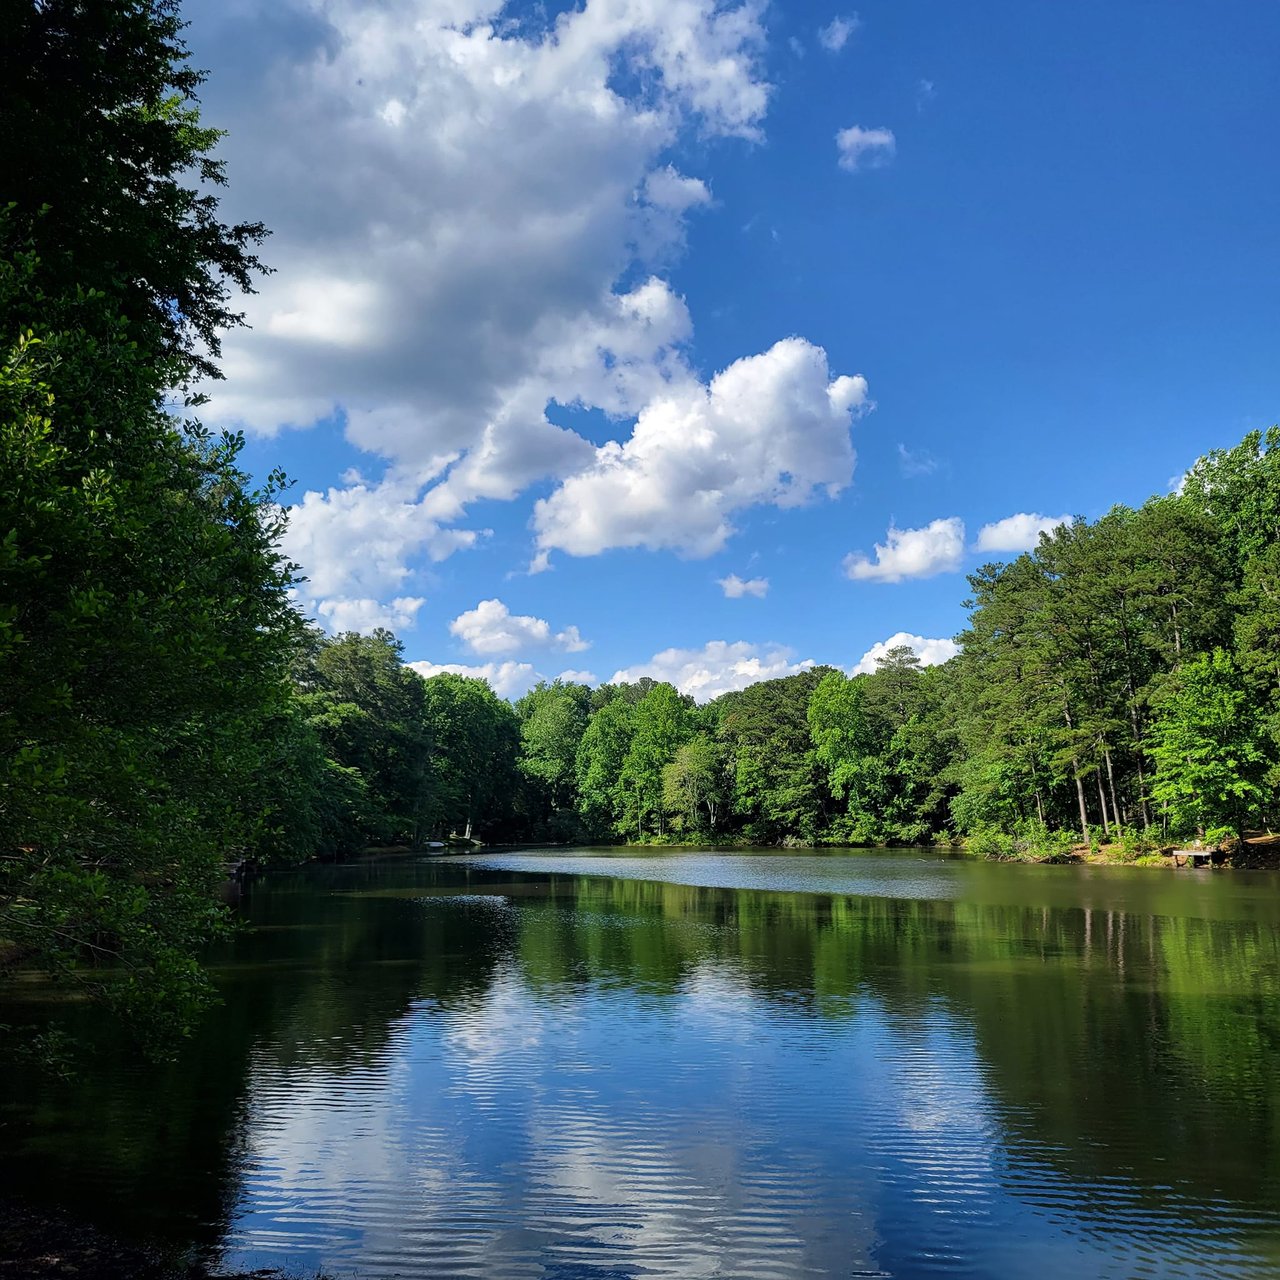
(109, 171)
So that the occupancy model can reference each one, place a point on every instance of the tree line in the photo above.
(1119, 683)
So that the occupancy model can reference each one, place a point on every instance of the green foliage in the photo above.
(147, 726)
(1043, 732)
(695, 785)
(841, 735)
(661, 723)
(1208, 745)
(145, 644)
(474, 737)
(1044, 723)
(369, 713)
(1069, 647)
(553, 718)
(109, 170)
(1133, 844)
(886, 746)
(1031, 842)
(779, 784)
(1238, 490)
(598, 765)
(990, 842)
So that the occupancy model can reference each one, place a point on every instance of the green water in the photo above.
(696, 1064)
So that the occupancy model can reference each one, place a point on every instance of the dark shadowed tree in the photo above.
(110, 172)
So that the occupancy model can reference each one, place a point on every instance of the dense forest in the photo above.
(1120, 683)
(164, 709)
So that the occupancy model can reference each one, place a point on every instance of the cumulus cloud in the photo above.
(861, 148)
(578, 677)
(492, 628)
(368, 615)
(353, 543)
(835, 35)
(931, 653)
(506, 679)
(735, 587)
(457, 199)
(718, 667)
(771, 429)
(911, 553)
(1019, 532)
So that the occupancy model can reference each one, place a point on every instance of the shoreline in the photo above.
(38, 1243)
(1259, 852)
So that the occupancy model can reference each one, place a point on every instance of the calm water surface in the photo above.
(606, 1065)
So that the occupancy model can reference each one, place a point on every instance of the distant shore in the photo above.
(1259, 852)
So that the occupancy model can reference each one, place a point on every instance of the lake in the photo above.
(598, 1063)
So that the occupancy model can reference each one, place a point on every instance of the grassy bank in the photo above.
(1258, 851)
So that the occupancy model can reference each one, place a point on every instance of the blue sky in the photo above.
(1018, 258)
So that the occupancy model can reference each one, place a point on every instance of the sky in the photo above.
(709, 341)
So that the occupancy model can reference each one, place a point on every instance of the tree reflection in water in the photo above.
(448, 1069)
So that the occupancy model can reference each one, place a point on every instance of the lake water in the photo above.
(596, 1064)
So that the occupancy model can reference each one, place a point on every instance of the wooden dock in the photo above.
(1192, 857)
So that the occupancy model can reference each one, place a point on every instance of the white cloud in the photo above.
(835, 35)
(506, 679)
(456, 199)
(353, 543)
(925, 94)
(912, 553)
(668, 196)
(668, 189)
(771, 429)
(368, 615)
(578, 677)
(1019, 532)
(492, 628)
(916, 463)
(735, 587)
(861, 148)
(931, 653)
(717, 667)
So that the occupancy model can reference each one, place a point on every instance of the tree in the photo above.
(886, 752)
(368, 709)
(473, 739)
(146, 630)
(1239, 490)
(110, 173)
(662, 724)
(1207, 742)
(842, 744)
(695, 783)
(1004, 703)
(779, 784)
(598, 766)
(146, 638)
(1257, 648)
(553, 718)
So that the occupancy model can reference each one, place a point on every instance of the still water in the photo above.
(692, 1064)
